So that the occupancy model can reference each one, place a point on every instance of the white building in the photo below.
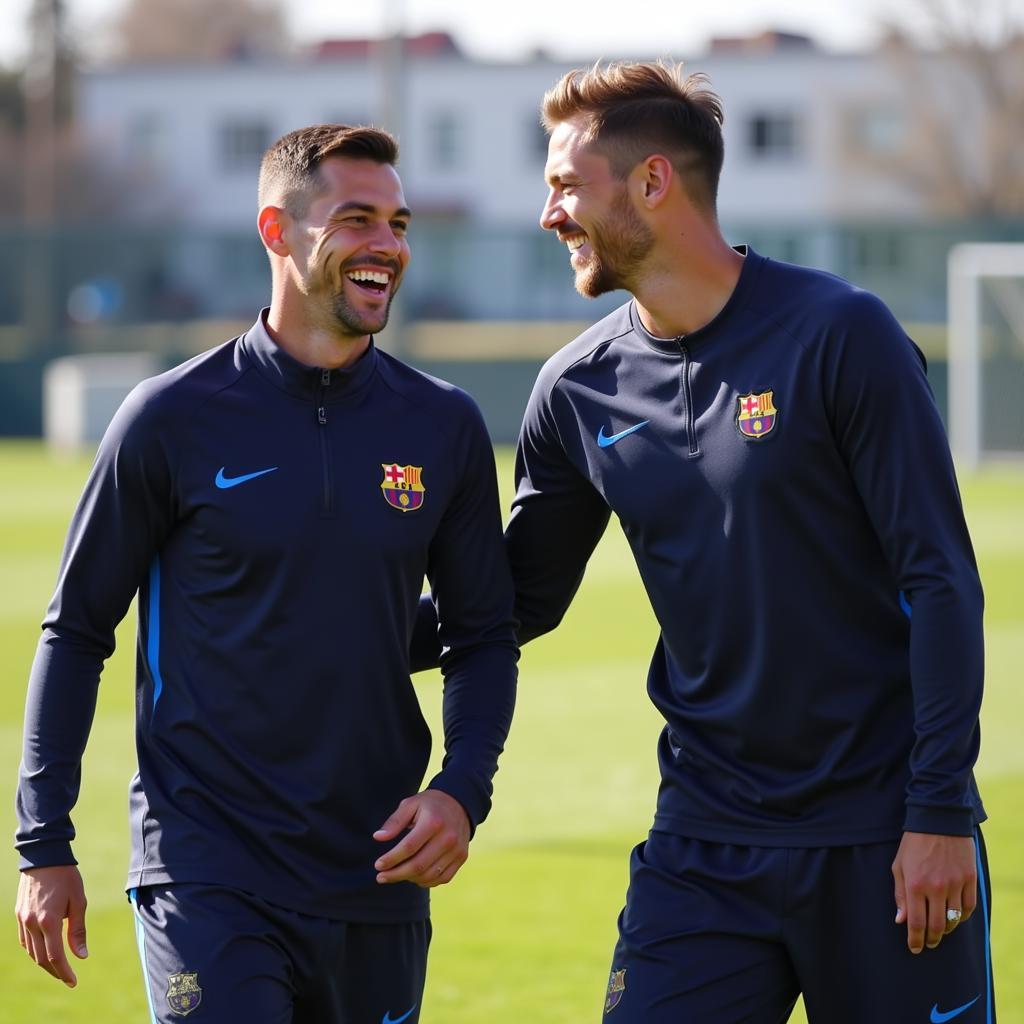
(471, 142)
(806, 132)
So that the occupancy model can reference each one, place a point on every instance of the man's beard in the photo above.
(618, 246)
(339, 314)
(352, 321)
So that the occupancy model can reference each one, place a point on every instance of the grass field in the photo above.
(525, 933)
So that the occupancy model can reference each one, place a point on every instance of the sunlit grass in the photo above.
(526, 932)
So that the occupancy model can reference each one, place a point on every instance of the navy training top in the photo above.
(784, 480)
(277, 521)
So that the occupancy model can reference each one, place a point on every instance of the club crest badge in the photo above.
(403, 486)
(756, 416)
(616, 989)
(183, 993)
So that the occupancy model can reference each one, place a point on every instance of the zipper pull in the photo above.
(325, 378)
(321, 413)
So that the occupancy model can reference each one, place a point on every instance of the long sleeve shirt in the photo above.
(277, 522)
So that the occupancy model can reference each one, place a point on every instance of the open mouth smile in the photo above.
(375, 282)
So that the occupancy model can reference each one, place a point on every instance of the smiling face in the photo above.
(350, 248)
(590, 210)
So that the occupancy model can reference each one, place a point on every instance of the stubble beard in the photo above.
(350, 321)
(339, 315)
(619, 245)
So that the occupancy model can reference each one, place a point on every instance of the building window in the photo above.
(241, 144)
(537, 140)
(879, 131)
(773, 136)
(878, 250)
(240, 258)
(146, 137)
(545, 261)
(445, 133)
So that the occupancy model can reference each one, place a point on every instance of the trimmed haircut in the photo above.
(289, 171)
(632, 110)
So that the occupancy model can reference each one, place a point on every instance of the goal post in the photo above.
(977, 270)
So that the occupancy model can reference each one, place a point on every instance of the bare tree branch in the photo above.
(964, 83)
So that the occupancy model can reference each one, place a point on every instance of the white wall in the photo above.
(495, 176)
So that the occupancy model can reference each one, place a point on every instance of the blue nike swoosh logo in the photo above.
(606, 442)
(940, 1018)
(388, 1019)
(224, 482)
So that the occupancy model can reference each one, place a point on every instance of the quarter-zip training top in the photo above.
(277, 522)
(784, 480)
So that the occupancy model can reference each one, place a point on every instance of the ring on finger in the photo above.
(953, 916)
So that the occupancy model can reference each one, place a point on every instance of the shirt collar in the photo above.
(748, 273)
(288, 374)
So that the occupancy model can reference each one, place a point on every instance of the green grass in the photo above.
(526, 931)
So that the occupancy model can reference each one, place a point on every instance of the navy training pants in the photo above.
(714, 933)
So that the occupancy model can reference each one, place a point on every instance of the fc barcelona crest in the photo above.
(756, 415)
(616, 989)
(403, 486)
(183, 993)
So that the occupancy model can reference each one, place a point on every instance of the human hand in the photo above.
(434, 848)
(46, 896)
(933, 874)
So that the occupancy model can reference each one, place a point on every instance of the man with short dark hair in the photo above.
(767, 438)
(276, 503)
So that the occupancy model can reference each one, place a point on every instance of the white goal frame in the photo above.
(969, 263)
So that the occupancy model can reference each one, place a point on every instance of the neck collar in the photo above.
(752, 264)
(300, 380)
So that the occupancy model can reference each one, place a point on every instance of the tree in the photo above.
(148, 30)
(46, 175)
(961, 67)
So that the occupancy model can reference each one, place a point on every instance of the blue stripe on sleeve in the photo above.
(153, 640)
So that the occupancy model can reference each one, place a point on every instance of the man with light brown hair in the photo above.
(767, 438)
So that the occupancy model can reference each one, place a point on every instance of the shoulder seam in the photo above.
(439, 424)
(243, 372)
(585, 355)
(773, 319)
(199, 401)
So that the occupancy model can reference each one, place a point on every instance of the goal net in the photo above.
(986, 351)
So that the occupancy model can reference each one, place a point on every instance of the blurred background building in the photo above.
(128, 223)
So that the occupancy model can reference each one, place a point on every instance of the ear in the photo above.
(653, 179)
(273, 222)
